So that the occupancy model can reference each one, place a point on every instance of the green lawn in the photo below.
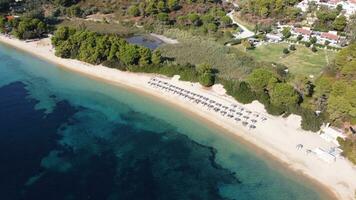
(300, 62)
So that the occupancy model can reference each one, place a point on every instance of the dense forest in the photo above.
(278, 9)
(25, 27)
(115, 52)
(329, 19)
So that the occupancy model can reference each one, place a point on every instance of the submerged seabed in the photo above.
(64, 136)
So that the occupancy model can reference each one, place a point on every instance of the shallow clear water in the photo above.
(64, 136)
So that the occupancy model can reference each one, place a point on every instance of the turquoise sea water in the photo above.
(67, 137)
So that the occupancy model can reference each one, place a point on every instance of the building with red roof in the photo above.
(329, 36)
(303, 31)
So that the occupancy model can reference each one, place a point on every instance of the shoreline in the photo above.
(338, 179)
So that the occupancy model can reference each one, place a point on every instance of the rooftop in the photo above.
(329, 36)
(303, 31)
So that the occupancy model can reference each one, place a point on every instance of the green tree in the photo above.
(314, 49)
(129, 54)
(134, 11)
(151, 8)
(340, 23)
(348, 146)
(313, 40)
(74, 11)
(207, 79)
(211, 27)
(284, 95)
(161, 6)
(204, 68)
(244, 94)
(173, 4)
(2, 24)
(65, 3)
(163, 17)
(285, 51)
(261, 79)
(299, 37)
(341, 102)
(194, 19)
(208, 18)
(145, 56)
(339, 8)
(286, 32)
(311, 121)
(157, 57)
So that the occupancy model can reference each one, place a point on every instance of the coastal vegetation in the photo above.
(272, 87)
(335, 93)
(263, 84)
(329, 19)
(24, 28)
(286, 79)
(114, 51)
(262, 9)
(230, 62)
(96, 48)
(349, 148)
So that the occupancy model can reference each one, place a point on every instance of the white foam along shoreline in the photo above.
(277, 136)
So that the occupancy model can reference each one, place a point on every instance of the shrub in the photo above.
(206, 79)
(274, 110)
(244, 94)
(299, 37)
(313, 40)
(349, 148)
(314, 49)
(311, 121)
(285, 51)
(134, 11)
(163, 17)
(292, 47)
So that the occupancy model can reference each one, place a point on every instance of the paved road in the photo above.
(245, 32)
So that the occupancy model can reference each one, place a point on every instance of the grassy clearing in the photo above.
(300, 62)
(230, 62)
(102, 27)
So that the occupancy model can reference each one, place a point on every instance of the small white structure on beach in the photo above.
(324, 155)
(331, 134)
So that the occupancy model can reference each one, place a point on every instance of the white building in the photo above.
(274, 37)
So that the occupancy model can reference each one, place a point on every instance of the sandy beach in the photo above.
(276, 135)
